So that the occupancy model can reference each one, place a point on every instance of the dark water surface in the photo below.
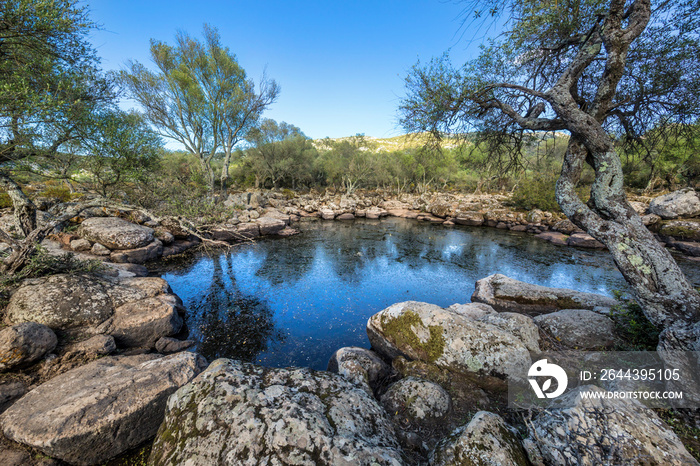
(294, 301)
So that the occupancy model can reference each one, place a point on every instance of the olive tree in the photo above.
(199, 96)
(606, 72)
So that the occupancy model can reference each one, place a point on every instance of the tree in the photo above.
(199, 97)
(49, 84)
(606, 72)
(280, 152)
(349, 161)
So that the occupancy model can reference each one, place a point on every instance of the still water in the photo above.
(294, 301)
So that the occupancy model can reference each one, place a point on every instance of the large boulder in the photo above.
(237, 413)
(603, 431)
(95, 412)
(25, 343)
(683, 203)
(579, 328)
(115, 233)
(486, 441)
(508, 294)
(60, 302)
(417, 399)
(442, 337)
(270, 226)
(359, 365)
(688, 230)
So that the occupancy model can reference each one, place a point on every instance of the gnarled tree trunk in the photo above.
(25, 211)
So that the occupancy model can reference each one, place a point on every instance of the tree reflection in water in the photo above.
(228, 323)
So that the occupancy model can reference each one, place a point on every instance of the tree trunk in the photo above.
(224, 171)
(25, 211)
(657, 282)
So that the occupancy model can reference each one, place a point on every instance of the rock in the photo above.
(174, 226)
(473, 219)
(270, 226)
(164, 236)
(100, 250)
(288, 232)
(80, 245)
(686, 247)
(688, 230)
(583, 240)
(327, 214)
(167, 345)
(565, 226)
(375, 212)
(25, 343)
(486, 441)
(115, 233)
(130, 270)
(9, 393)
(604, 431)
(429, 333)
(417, 399)
(178, 247)
(440, 209)
(139, 255)
(100, 345)
(238, 413)
(554, 237)
(683, 203)
(254, 214)
(247, 231)
(16, 458)
(650, 219)
(579, 328)
(142, 323)
(97, 411)
(345, 216)
(535, 216)
(60, 302)
(518, 228)
(361, 366)
(507, 294)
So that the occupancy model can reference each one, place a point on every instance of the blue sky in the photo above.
(340, 65)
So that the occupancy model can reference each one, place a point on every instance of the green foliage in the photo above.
(57, 191)
(5, 200)
(535, 193)
(636, 331)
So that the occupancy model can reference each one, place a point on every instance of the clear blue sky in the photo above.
(340, 65)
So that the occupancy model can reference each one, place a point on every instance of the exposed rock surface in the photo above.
(579, 328)
(683, 203)
(9, 392)
(417, 399)
(97, 411)
(25, 343)
(98, 345)
(115, 233)
(603, 431)
(486, 441)
(681, 229)
(236, 413)
(149, 252)
(429, 333)
(167, 345)
(583, 240)
(359, 365)
(507, 294)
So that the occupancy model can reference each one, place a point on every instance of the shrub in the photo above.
(636, 331)
(5, 200)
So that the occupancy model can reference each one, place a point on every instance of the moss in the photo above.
(681, 230)
(398, 330)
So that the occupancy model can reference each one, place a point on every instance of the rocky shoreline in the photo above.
(92, 366)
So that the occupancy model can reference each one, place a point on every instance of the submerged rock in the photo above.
(486, 441)
(95, 412)
(237, 413)
(603, 431)
(508, 294)
(439, 336)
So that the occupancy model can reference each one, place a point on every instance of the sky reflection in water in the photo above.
(294, 301)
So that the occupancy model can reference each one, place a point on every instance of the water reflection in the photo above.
(294, 301)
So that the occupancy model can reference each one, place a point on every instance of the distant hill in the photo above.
(403, 142)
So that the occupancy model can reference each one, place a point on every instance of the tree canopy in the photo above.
(200, 96)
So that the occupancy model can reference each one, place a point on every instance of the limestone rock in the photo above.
(579, 328)
(237, 413)
(115, 233)
(270, 226)
(97, 411)
(142, 323)
(683, 203)
(327, 214)
(507, 294)
(604, 431)
(25, 343)
(486, 441)
(361, 366)
(100, 250)
(146, 253)
(80, 245)
(429, 333)
(375, 212)
(417, 399)
(60, 302)
(474, 219)
(345, 216)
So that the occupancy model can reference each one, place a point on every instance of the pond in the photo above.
(294, 301)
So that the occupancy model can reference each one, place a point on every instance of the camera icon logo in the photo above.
(542, 370)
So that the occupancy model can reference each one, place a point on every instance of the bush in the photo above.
(537, 193)
(636, 331)
(5, 201)
(57, 191)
